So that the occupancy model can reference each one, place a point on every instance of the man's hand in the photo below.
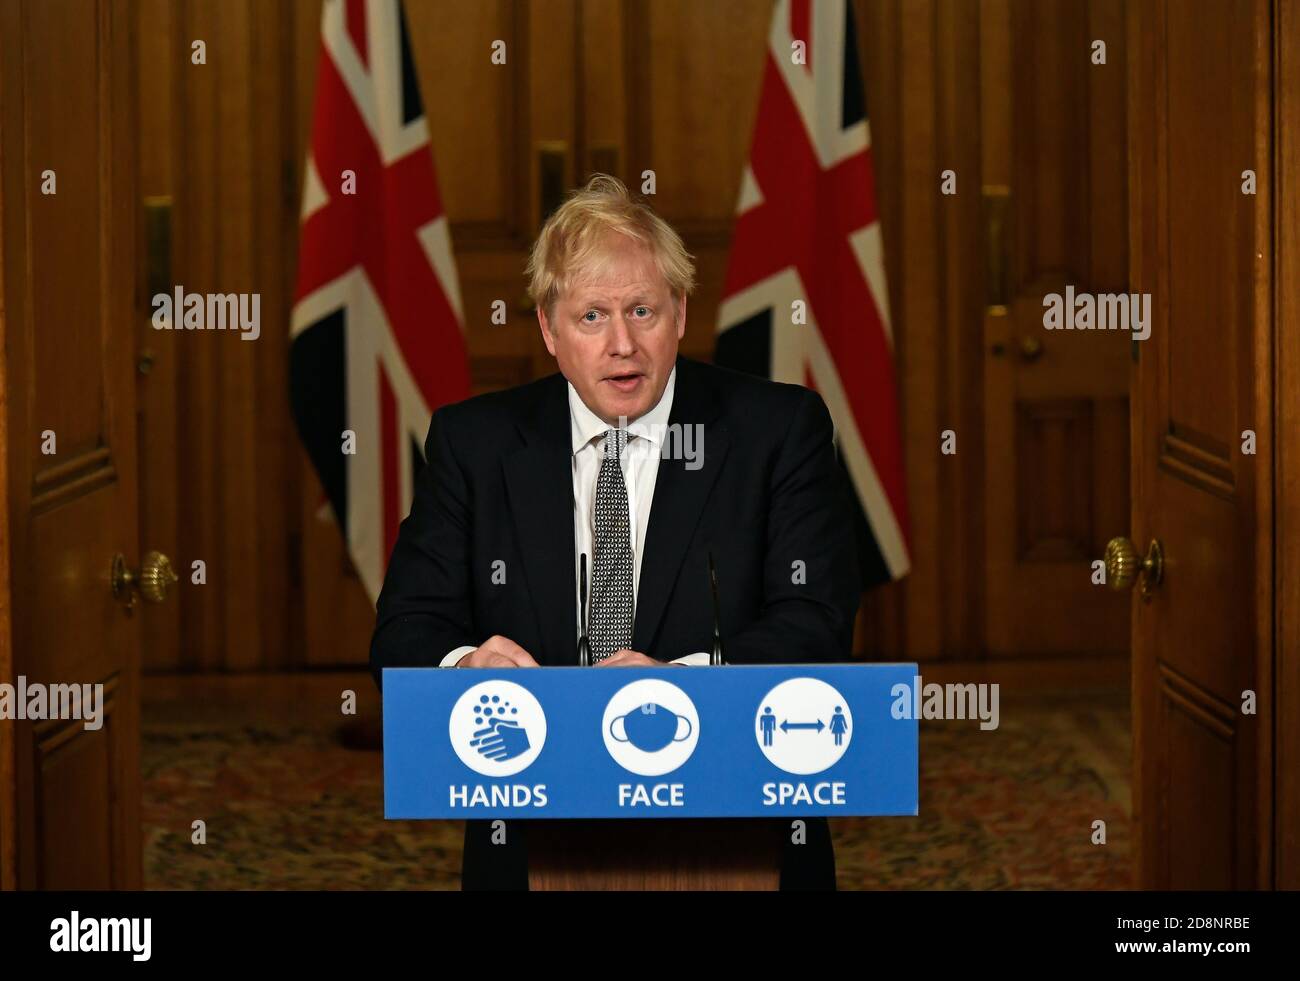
(497, 652)
(625, 658)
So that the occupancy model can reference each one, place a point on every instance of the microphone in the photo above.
(716, 656)
(584, 647)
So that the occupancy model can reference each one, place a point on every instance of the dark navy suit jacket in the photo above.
(498, 486)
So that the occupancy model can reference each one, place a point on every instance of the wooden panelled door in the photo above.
(1200, 104)
(68, 201)
(1053, 139)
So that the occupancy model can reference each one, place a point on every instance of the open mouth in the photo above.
(625, 381)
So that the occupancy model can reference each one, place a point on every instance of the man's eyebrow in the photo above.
(641, 296)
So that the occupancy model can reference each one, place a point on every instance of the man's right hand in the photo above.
(497, 652)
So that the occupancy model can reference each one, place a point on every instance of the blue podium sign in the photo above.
(730, 741)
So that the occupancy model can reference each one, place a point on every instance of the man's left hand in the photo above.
(625, 658)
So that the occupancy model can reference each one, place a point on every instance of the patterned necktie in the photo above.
(611, 583)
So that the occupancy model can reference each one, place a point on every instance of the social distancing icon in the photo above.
(803, 725)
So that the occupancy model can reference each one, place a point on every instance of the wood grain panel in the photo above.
(1202, 769)
(1197, 818)
(233, 360)
(961, 398)
(160, 52)
(196, 262)
(698, 147)
(605, 49)
(881, 630)
(67, 103)
(273, 226)
(234, 485)
(1053, 122)
(67, 350)
(1211, 273)
(1284, 605)
(1049, 88)
(918, 342)
(1198, 459)
(78, 795)
(471, 108)
(8, 771)
(1054, 481)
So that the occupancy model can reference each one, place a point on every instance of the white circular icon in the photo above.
(497, 728)
(803, 725)
(650, 727)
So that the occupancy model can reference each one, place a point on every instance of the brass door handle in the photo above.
(152, 582)
(1124, 566)
(1031, 348)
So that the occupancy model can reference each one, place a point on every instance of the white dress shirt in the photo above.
(640, 465)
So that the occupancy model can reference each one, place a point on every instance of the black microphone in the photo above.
(584, 647)
(716, 656)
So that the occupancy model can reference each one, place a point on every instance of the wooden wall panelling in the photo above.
(1286, 359)
(1202, 784)
(881, 628)
(604, 48)
(922, 62)
(196, 257)
(231, 480)
(272, 226)
(69, 106)
(8, 774)
(960, 387)
(481, 129)
(697, 145)
(1261, 375)
(921, 313)
(158, 45)
(1055, 402)
(235, 564)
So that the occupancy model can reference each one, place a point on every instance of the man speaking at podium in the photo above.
(643, 463)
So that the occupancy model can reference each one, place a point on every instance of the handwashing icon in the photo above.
(650, 727)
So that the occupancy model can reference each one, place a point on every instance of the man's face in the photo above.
(614, 333)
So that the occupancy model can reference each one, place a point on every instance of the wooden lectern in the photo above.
(645, 854)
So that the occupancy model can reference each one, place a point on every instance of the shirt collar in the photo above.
(585, 425)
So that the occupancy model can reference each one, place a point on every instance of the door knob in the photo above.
(152, 582)
(1031, 348)
(1124, 566)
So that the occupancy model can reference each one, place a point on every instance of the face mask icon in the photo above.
(650, 727)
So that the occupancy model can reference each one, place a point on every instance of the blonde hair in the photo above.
(570, 243)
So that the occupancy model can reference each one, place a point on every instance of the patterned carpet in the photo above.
(286, 806)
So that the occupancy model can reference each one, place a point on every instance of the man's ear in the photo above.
(681, 316)
(546, 326)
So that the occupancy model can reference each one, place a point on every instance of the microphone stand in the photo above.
(716, 656)
(584, 646)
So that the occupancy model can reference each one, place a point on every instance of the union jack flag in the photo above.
(805, 297)
(377, 332)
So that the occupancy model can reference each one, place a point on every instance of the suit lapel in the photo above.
(679, 499)
(539, 487)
